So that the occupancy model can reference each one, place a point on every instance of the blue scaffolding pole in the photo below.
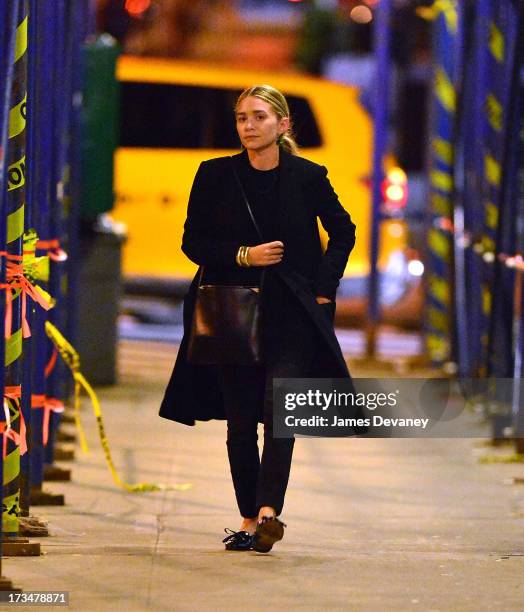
(40, 178)
(382, 44)
(8, 23)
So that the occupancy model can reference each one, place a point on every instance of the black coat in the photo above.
(218, 223)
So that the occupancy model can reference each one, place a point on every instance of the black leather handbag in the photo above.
(226, 319)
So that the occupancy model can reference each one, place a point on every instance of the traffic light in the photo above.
(394, 190)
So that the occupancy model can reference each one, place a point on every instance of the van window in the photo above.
(165, 116)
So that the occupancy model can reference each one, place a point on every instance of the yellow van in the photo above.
(176, 114)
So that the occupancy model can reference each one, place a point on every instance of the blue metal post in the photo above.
(8, 22)
(382, 36)
(462, 86)
(82, 25)
(440, 290)
(39, 171)
(15, 156)
(514, 198)
(61, 113)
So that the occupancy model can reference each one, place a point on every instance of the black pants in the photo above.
(290, 344)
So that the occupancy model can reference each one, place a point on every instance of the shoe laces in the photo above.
(234, 535)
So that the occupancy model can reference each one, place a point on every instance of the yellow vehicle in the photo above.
(176, 114)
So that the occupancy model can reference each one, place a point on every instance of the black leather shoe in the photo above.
(237, 540)
(269, 530)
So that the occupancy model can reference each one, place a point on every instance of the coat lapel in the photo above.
(286, 187)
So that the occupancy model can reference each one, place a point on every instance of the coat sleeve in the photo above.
(200, 241)
(341, 237)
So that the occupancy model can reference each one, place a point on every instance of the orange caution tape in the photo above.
(51, 363)
(49, 404)
(14, 393)
(16, 279)
(53, 248)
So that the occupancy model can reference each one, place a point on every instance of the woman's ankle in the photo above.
(266, 511)
(249, 524)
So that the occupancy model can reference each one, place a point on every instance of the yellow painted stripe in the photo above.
(439, 244)
(447, 7)
(492, 215)
(486, 300)
(488, 244)
(21, 40)
(444, 90)
(441, 180)
(493, 170)
(13, 347)
(496, 42)
(12, 466)
(15, 224)
(439, 289)
(495, 112)
(443, 150)
(17, 118)
(438, 320)
(438, 347)
(441, 204)
(10, 513)
(16, 175)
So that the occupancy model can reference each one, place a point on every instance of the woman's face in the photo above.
(258, 125)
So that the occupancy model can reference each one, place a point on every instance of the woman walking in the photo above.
(286, 194)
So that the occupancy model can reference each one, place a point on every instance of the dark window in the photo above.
(157, 115)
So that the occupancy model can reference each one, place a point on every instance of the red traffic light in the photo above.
(395, 188)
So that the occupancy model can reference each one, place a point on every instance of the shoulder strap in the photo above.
(239, 182)
(241, 187)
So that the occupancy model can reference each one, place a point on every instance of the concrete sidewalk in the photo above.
(372, 524)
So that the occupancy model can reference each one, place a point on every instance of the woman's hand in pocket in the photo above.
(328, 306)
(266, 254)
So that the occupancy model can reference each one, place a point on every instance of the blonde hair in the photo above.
(278, 103)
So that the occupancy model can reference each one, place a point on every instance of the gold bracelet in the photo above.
(242, 256)
(246, 261)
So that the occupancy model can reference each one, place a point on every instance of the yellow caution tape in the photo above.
(441, 204)
(441, 180)
(439, 289)
(35, 268)
(443, 150)
(17, 117)
(438, 347)
(495, 112)
(444, 90)
(493, 170)
(487, 244)
(13, 347)
(21, 39)
(438, 320)
(439, 244)
(15, 224)
(486, 300)
(16, 174)
(447, 7)
(72, 360)
(492, 215)
(496, 42)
